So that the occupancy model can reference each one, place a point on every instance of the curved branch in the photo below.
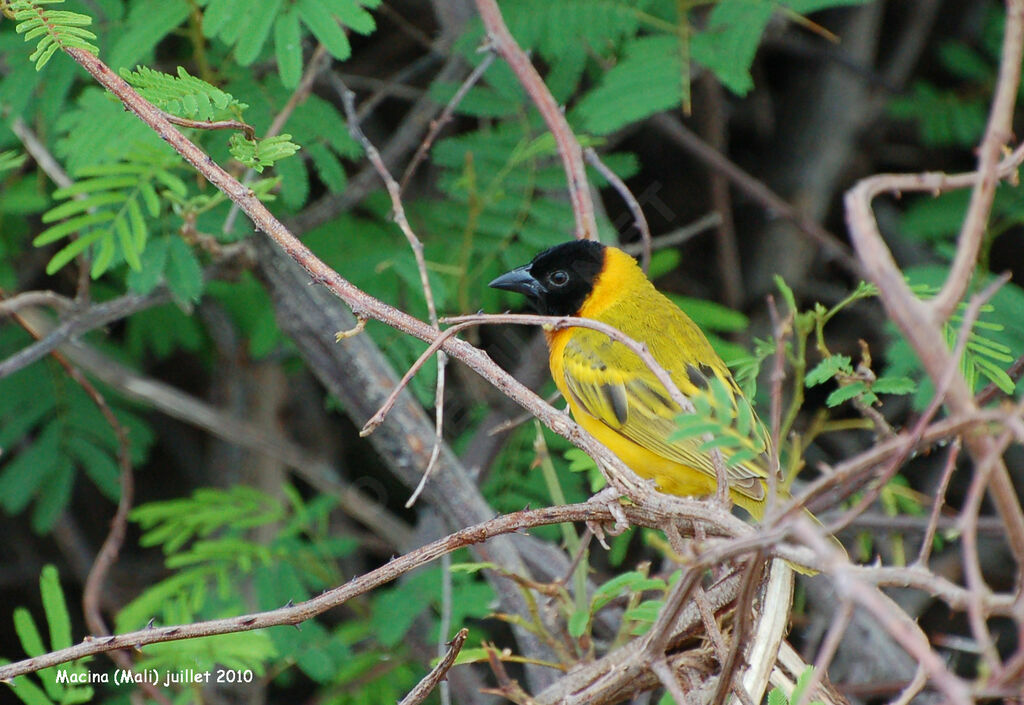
(568, 146)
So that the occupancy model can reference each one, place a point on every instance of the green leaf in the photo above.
(846, 393)
(184, 95)
(777, 697)
(56, 608)
(184, 275)
(647, 80)
(894, 385)
(802, 681)
(828, 369)
(727, 44)
(261, 17)
(577, 624)
(56, 232)
(84, 204)
(288, 47)
(11, 160)
(28, 634)
(320, 20)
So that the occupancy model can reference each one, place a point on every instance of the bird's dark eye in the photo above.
(558, 278)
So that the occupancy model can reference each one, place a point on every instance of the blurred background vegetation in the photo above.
(241, 446)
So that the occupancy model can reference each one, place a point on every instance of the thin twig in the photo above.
(398, 213)
(915, 686)
(248, 130)
(775, 204)
(446, 115)
(34, 298)
(827, 650)
(639, 219)
(460, 323)
(998, 132)
(940, 500)
(418, 694)
(970, 317)
(975, 581)
(318, 61)
(677, 236)
(744, 615)
(668, 678)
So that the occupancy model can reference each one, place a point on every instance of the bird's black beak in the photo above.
(520, 281)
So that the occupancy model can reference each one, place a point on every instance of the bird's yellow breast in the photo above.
(624, 298)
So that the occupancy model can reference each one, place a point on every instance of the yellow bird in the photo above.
(612, 393)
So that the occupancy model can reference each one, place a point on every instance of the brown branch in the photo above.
(920, 322)
(248, 130)
(717, 522)
(897, 623)
(111, 547)
(639, 220)
(998, 132)
(940, 500)
(418, 694)
(398, 213)
(446, 115)
(361, 303)
(568, 146)
(970, 317)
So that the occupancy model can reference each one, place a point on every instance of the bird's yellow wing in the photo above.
(609, 382)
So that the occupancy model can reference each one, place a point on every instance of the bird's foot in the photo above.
(608, 498)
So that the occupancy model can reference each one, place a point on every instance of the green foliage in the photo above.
(51, 430)
(10, 160)
(956, 116)
(107, 210)
(726, 421)
(996, 339)
(204, 539)
(148, 23)
(55, 688)
(651, 69)
(247, 26)
(855, 384)
(97, 130)
(943, 116)
(629, 587)
(184, 95)
(56, 29)
(259, 154)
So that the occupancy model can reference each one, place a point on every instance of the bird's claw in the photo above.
(608, 498)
